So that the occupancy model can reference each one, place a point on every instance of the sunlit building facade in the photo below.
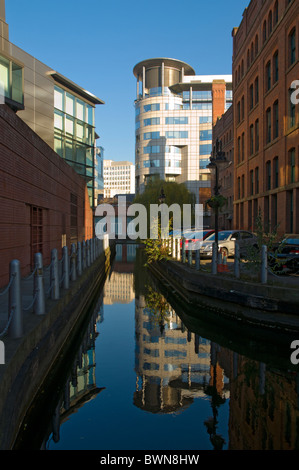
(58, 110)
(175, 111)
(119, 178)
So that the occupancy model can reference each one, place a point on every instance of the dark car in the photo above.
(284, 259)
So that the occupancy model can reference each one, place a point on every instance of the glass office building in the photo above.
(74, 134)
(175, 110)
(12, 83)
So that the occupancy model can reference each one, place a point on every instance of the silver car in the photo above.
(226, 242)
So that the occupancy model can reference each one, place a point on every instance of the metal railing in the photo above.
(61, 272)
(178, 250)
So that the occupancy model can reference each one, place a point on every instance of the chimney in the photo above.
(2, 10)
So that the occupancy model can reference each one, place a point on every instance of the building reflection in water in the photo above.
(175, 366)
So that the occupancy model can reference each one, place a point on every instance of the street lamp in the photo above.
(216, 158)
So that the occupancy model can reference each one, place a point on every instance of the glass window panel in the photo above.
(69, 125)
(90, 115)
(70, 104)
(17, 83)
(80, 131)
(80, 110)
(58, 98)
(4, 77)
(69, 150)
(58, 120)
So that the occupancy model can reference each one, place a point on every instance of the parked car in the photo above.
(284, 258)
(226, 242)
(194, 239)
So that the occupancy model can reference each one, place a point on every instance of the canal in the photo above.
(147, 373)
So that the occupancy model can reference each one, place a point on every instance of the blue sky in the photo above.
(96, 44)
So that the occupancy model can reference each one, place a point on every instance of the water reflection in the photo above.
(225, 399)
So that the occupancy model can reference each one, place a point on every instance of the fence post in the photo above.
(178, 249)
(15, 329)
(83, 255)
(39, 291)
(237, 260)
(184, 250)
(88, 253)
(73, 263)
(264, 265)
(214, 258)
(190, 252)
(66, 268)
(91, 251)
(197, 259)
(79, 258)
(54, 275)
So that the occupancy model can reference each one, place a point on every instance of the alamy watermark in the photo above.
(2, 353)
(295, 94)
(134, 222)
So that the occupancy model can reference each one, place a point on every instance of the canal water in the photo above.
(149, 373)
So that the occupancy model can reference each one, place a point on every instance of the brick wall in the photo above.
(43, 201)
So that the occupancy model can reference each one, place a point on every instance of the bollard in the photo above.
(237, 260)
(184, 250)
(197, 259)
(88, 253)
(73, 263)
(79, 258)
(91, 251)
(264, 265)
(65, 268)
(16, 328)
(214, 259)
(190, 255)
(178, 249)
(54, 275)
(83, 255)
(39, 291)
(174, 246)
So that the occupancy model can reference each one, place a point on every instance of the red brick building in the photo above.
(266, 121)
(224, 132)
(43, 202)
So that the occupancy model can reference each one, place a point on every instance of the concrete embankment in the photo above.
(29, 359)
(261, 305)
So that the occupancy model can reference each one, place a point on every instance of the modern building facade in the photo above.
(119, 178)
(175, 111)
(266, 117)
(58, 110)
(99, 174)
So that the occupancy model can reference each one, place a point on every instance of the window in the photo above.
(257, 181)
(176, 135)
(270, 23)
(151, 107)
(256, 45)
(292, 166)
(268, 175)
(275, 13)
(268, 125)
(151, 149)
(264, 32)
(238, 112)
(268, 76)
(36, 229)
(243, 147)
(292, 110)
(242, 108)
(251, 139)
(151, 121)
(205, 149)
(257, 136)
(251, 183)
(275, 173)
(239, 149)
(176, 120)
(275, 67)
(205, 119)
(251, 102)
(205, 135)
(151, 135)
(292, 47)
(275, 120)
(256, 90)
